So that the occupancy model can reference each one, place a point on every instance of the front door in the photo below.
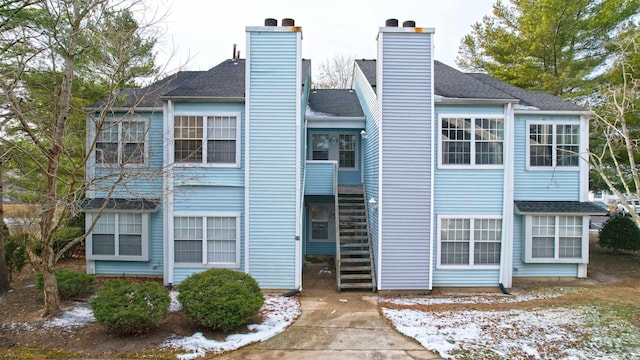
(335, 146)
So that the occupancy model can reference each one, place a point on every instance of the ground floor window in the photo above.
(118, 236)
(469, 241)
(207, 240)
(557, 238)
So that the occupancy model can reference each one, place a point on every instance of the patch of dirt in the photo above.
(612, 278)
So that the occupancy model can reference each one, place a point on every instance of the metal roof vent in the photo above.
(288, 22)
(409, 23)
(391, 23)
(270, 22)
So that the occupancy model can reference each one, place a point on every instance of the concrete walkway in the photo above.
(335, 325)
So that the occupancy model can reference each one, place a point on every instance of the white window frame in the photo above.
(528, 243)
(472, 163)
(336, 134)
(118, 122)
(554, 150)
(144, 256)
(205, 264)
(470, 265)
(204, 139)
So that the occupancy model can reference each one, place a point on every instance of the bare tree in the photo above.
(335, 73)
(62, 52)
(614, 155)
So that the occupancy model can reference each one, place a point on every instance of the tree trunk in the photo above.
(4, 272)
(51, 300)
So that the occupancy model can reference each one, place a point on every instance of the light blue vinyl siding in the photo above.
(156, 258)
(144, 182)
(405, 203)
(273, 91)
(370, 107)
(473, 191)
(319, 178)
(205, 200)
(465, 278)
(547, 185)
(520, 269)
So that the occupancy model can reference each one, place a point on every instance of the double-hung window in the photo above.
(207, 240)
(211, 140)
(119, 236)
(467, 141)
(552, 238)
(469, 242)
(553, 144)
(121, 143)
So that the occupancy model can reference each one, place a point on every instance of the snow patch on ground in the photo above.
(558, 333)
(278, 313)
(80, 315)
(483, 299)
(175, 304)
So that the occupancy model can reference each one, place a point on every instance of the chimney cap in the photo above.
(270, 22)
(409, 23)
(288, 22)
(391, 23)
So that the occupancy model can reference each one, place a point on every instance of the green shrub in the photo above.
(620, 232)
(127, 308)
(71, 284)
(15, 253)
(220, 299)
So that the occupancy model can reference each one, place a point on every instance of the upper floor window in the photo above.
(556, 239)
(553, 144)
(121, 143)
(471, 141)
(119, 236)
(207, 139)
(332, 146)
(465, 242)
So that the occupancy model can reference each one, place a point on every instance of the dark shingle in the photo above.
(334, 102)
(120, 204)
(559, 207)
(536, 99)
(452, 83)
(226, 80)
(368, 68)
(149, 96)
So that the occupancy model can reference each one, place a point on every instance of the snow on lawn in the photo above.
(484, 299)
(81, 314)
(551, 333)
(278, 313)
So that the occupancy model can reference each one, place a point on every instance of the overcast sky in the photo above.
(201, 33)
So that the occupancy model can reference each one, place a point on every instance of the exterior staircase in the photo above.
(354, 263)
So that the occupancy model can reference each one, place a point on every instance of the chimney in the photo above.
(234, 53)
(391, 23)
(288, 22)
(270, 22)
(409, 23)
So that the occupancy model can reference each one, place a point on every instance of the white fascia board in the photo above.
(553, 112)
(448, 100)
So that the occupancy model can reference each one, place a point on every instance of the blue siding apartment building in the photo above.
(418, 176)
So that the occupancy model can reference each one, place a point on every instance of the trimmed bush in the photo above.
(127, 308)
(71, 284)
(620, 232)
(220, 299)
(15, 254)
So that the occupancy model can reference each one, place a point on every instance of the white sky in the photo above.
(201, 33)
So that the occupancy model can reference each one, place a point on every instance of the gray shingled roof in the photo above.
(368, 68)
(149, 96)
(537, 99)
(225, 80)
(452, 83)
(334, 102)
(120, 204)
(559, 207)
